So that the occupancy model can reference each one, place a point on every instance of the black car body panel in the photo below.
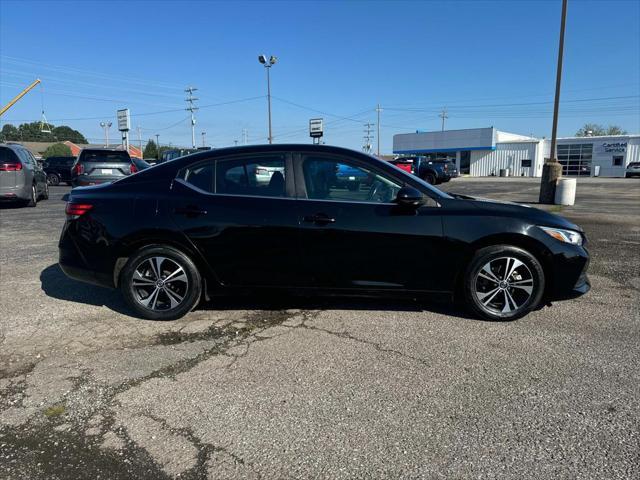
(297, 243)
(60, 166)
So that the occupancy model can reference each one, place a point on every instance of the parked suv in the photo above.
(58, 169)
(21, 178)
(432, 171)
(633, 170)
(101, 165)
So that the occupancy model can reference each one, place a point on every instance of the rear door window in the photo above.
(253, 176)
(199, 175)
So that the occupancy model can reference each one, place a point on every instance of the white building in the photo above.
(485, 151)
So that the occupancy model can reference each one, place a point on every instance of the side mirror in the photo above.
(409, 197)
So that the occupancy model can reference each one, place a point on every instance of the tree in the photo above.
(63, 133)
(591, 129)
(615, 130)
(151, 150)
(9, 133)
(32, 132)
(57, 150)
(596, 130)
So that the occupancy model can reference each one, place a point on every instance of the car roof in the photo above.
(13, 146)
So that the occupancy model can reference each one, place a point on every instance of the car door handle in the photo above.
(319, 218)
(190, 211)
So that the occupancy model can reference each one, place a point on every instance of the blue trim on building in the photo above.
(436, 150)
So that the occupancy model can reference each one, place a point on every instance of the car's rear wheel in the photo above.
(503, 282)
(33, 197)
(53, 179)
(430, 178)
(161, 283)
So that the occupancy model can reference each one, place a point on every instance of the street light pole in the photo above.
(106, 126)
(552, 170)
(267, 65)
(157, 146)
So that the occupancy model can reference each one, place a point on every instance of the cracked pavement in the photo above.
(322, 388)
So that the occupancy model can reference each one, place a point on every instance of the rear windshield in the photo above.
(98, 157)
(7, 155)
(634, 164)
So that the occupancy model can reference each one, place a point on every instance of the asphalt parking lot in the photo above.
(295, 388)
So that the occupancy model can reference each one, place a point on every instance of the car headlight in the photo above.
(566, 236)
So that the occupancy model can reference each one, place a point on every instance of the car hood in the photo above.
(512, 209)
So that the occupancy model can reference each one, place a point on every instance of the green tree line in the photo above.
(32, 132)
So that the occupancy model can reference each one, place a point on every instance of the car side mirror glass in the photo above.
(409, 197)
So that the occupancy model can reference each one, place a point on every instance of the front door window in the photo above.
(335, 179)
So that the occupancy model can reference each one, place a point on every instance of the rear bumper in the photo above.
(76, 265)
(85, 181)
(11, 194)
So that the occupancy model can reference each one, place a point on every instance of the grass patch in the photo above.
(54, 411)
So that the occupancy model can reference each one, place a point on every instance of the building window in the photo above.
(526, 163)
(617, 160)
(575, 158)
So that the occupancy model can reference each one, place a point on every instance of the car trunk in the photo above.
(110, 169)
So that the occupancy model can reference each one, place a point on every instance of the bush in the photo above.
(57, 150)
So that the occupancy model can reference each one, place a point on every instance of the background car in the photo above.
(140, 164)
(432, 170)
(21, 178)
(95, 166)
(199, 226)
(633, 170)
(349, 177)
(58, 169)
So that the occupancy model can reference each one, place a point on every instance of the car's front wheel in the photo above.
(503, 282)
(161, 283)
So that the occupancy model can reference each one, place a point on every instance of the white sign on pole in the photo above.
(315, 127)
(124, 120)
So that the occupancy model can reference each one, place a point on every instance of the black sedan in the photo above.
(206, 225)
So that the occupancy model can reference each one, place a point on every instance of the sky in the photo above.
(488, 63)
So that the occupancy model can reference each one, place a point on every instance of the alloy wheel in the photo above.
(159, 283)
(504, 285)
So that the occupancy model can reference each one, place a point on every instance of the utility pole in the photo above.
(368, 137)
(443, 115)
(192, 108)
(158, 146)
(204, 134)
(552, 170)
(267, 65)
(245, 136)
(140, 139)
(378, 110)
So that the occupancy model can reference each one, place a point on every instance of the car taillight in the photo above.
(75, 210)
(10, 167)
(78, 169)
(446, 167)
(134, 169)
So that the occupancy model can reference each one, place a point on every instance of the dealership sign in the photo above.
(617, 147)
(124, 120)
(315, 128)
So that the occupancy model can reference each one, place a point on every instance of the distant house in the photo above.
(38, 148)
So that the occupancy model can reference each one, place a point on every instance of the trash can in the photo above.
(565, 191)
(596, 171)
(504, 172)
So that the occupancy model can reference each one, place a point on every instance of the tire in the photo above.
(33, 199)
(492, 295)
(186, 286)
(45, 194)
(430, 178)
(53, 179)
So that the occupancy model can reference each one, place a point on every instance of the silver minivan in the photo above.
(22, 179)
